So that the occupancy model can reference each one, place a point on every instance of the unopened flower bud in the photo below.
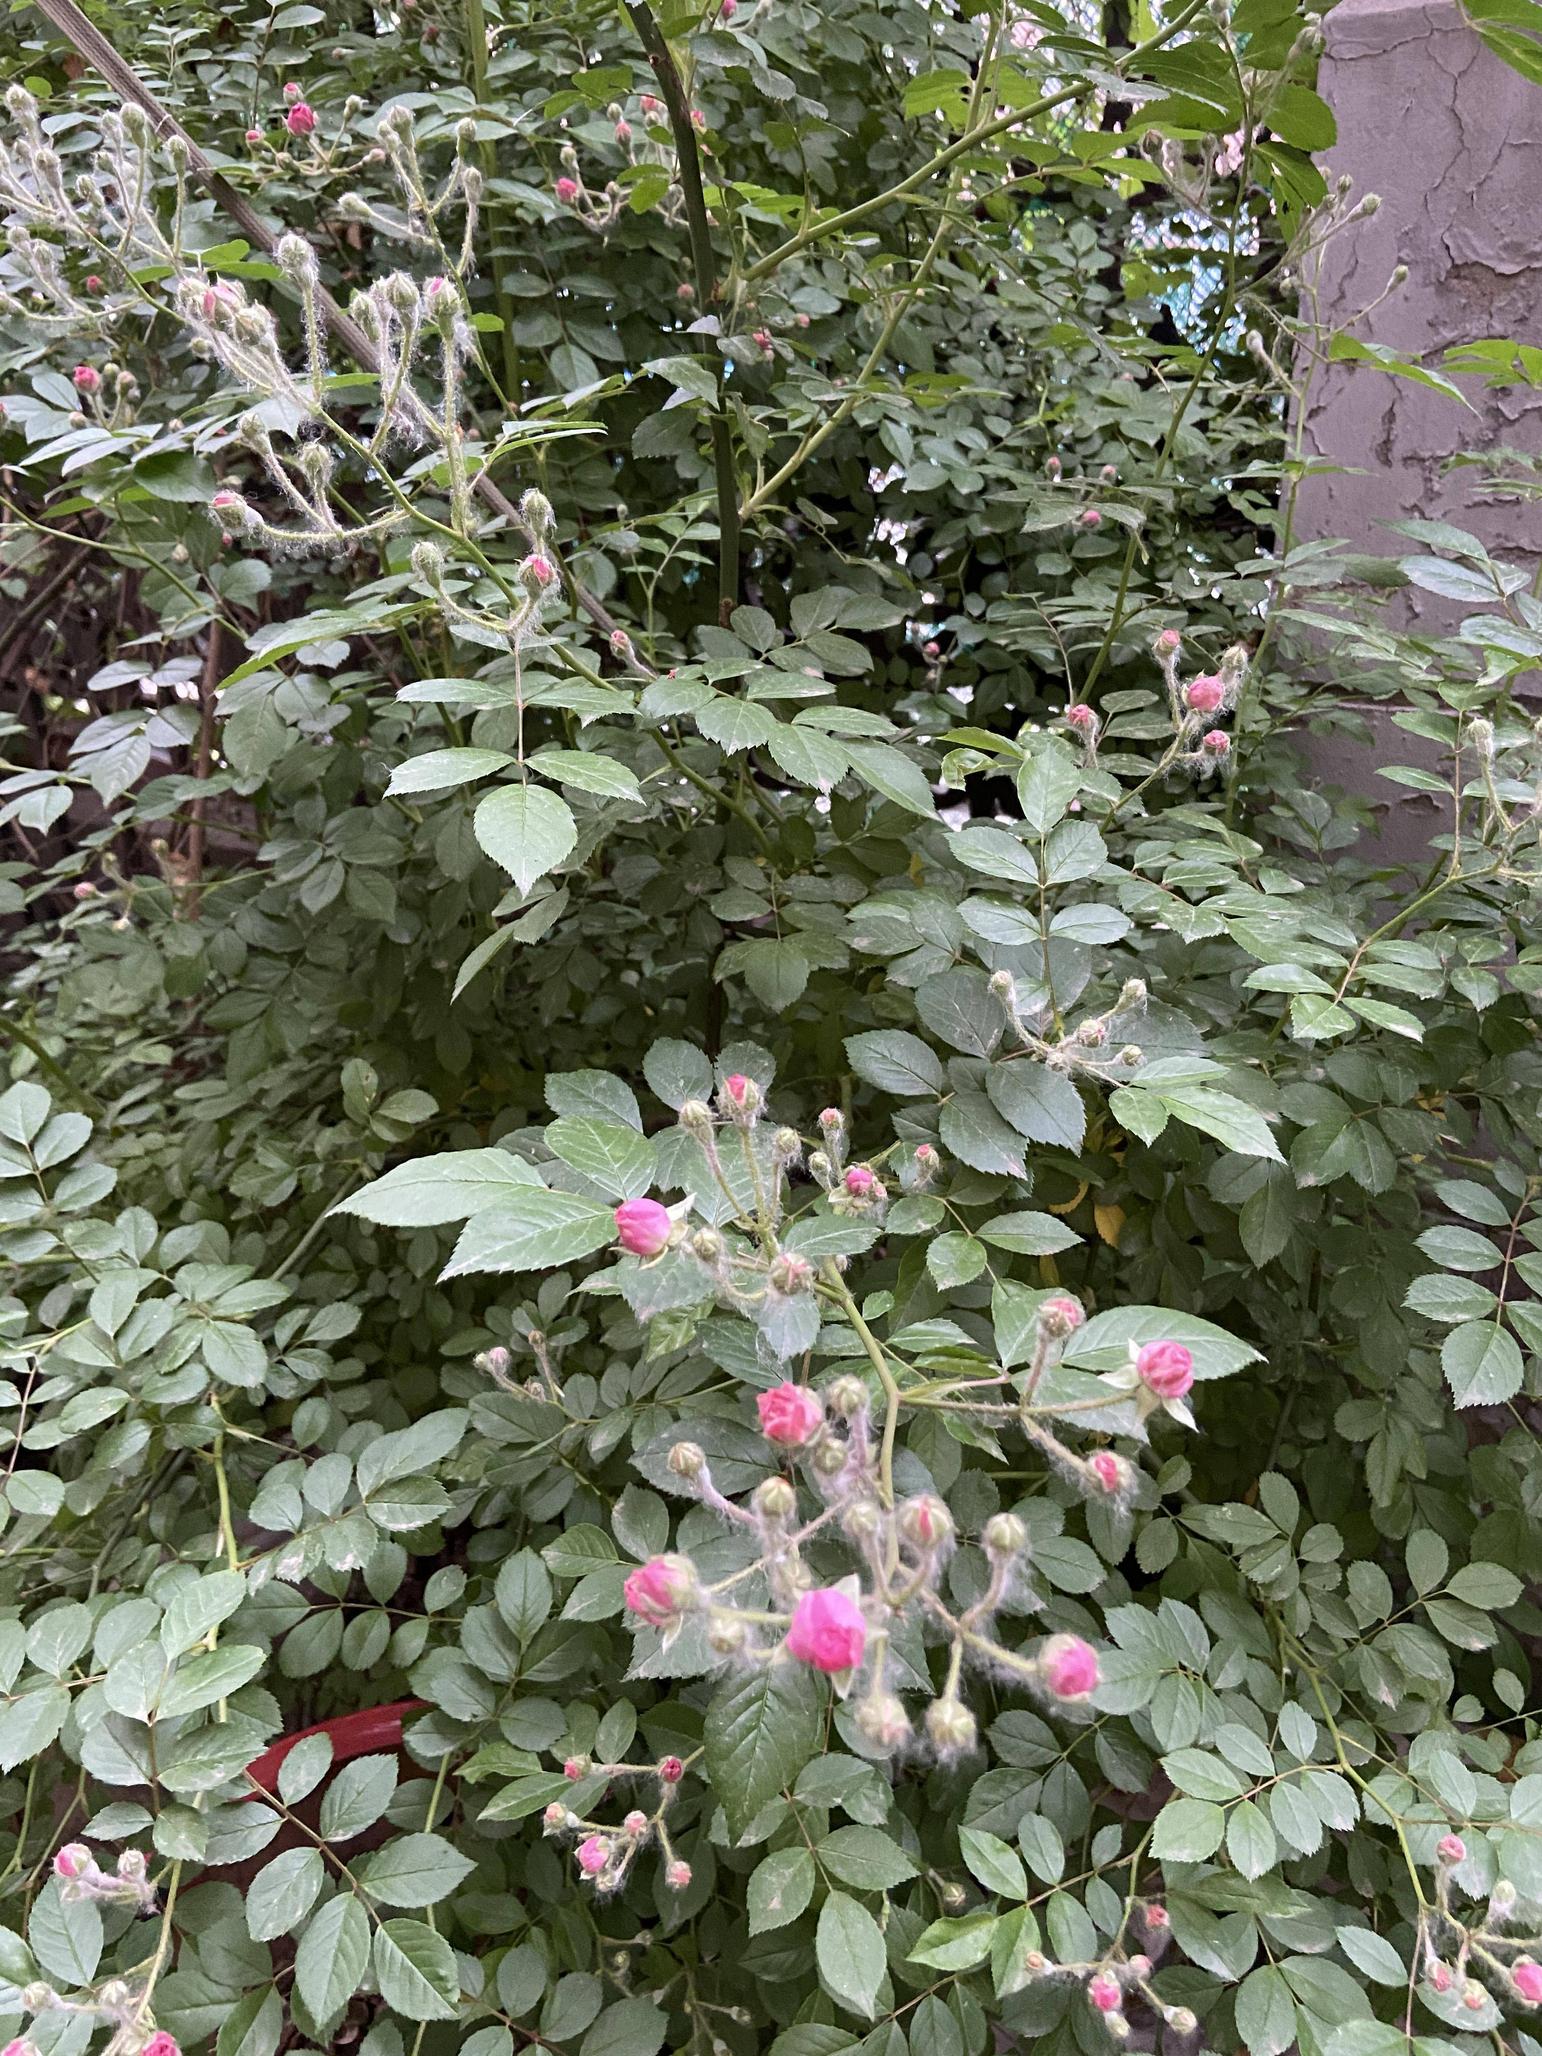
(1003, 985)
(707, 1244)
(677, 1874)
(132, 1865)
(926, 1523)
(1004, 1535)
(776, 1499)
(575, 1768)
(671, 1770)
(847, 1397)
(687, 1460)
(740, 1098)
(862, 1521)
(554, 1816)
(787, 1144)
(882, 1719)
(635, 1823)
(1182, 2021)
(696, 1117)
(950, 1726)
(790, 1273)
(829, 1459)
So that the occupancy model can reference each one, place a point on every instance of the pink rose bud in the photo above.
(931, 651)
(651, 106)
(224, 501)
(1451, 1849)
(1204, 695)
(762, 340)
(1104, 1993)
(1217, 742)
(1440, 1976)
(926, 1155)
(1061, 1316)
(72, 1861)
(555, 1814)
(593, 1855)
(20, 2047)
(87, 378)
(1474, 1998)
(84, 889)
(1108, 1470)
(636, 1823)
(1165, 1368)
(658, 1589)
(1168, 643)
(620, 642)
(94, 284)
(677, 1874)
(538, 570)
(737, 1089)
(827, 1631)
(728, 10)
(790, 1415)
(698, 121)
(254, 135)
(566, 190)
(860, 1182)
(1091, 518)
(294, 91)
(574, 1769)
(301, 119)
(1081, 717)
(1070, 1666)
(671, 1770)
(685, 291)
(1053, 466)
(1156, 1917)
(1109, 473)
(623, 132)
(643, 1226)
(161, 2044)
(803, 321)
(831, 1117)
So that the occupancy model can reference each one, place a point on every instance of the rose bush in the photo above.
(694, 1080)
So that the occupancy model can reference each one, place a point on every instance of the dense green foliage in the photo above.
(751, 683)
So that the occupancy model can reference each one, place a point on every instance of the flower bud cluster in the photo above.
(605, 1853)
(81, 1877)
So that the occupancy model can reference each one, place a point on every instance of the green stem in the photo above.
(703, 264)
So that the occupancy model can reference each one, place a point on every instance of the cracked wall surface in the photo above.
(1451, 140)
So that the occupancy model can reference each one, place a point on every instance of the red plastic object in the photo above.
(353, 1734)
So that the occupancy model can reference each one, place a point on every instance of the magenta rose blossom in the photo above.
(790, 1414)
(659, 1588)
(1204, 695)
(644, 1226)
(301, 119)
(1165, 1368)
(593, 1855)
(828, 1631)
(1070, 1666)
(161, 2044)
